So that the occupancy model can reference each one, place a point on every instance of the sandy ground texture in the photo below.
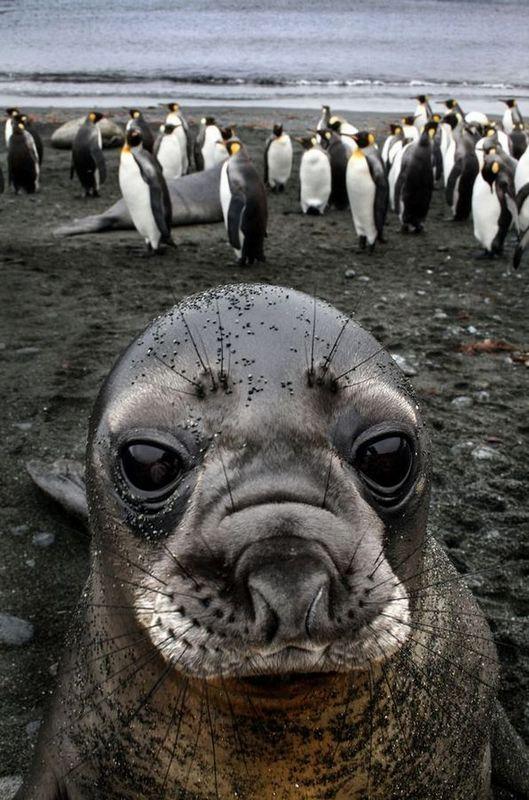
(71, 305)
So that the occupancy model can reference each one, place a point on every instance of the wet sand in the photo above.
(71, 305)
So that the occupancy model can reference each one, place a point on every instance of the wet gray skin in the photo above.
(266, 616)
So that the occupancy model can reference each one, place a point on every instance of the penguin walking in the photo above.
(462, 176)
(368, 190)
(277, 159)
(413, 191)
(493, 206)
(244, 207)
(392, 144)
(175, 117)
(208, 135)
(145, 192)
(22, 160)
(512, 115)
(423, 111)
(34, 133)
(168, 151)
(88, 160)
(338, 157)
(519, 140)
(11, 114)
(137, 120)
(314, 177)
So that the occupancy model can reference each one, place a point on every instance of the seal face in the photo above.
(262, 617)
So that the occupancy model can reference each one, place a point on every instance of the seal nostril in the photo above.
(318, 611)
(265, 618)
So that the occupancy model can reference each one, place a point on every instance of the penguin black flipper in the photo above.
(98, 158)
(159, 195)
(451, 183)
(236, 214)
(503, 191)
(378, 175)
(2, 186)
(522, 196)
(521, 247)
(267, 148)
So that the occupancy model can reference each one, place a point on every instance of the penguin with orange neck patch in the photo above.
(244, 207)
(145, 192)
(88, 161)
(367, 190)
(137, 120)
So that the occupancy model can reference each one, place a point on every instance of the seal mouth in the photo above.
(288, 680)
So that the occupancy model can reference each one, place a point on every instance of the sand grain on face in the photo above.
(71, 305)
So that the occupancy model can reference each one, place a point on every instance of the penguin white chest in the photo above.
(170, 156)
(521, 179)
(225, 200)
(315, 180)
(279, 160)
(138, 200)
(486, 210)
(361, 191)
(212, 136)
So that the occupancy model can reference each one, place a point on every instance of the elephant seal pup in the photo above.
(195, 199)
(266, 616)
(111, 133)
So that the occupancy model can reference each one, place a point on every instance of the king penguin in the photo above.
(314, 177)
(243, 201)
(413, 191)
(34, 133)
(277, 159)
(323, 122)
(519, 140)
(137, 120)
(168, 151)
(221, 151)
(512, 115)
(11, 114)
(462, 175)
(423, 111)
(392, 144)
(338, 157)
(368, 191)
(208, 135)
(22, 160)
(145, 192)
(176, 118)
(521, 187)
(493, 205)
(88, 160)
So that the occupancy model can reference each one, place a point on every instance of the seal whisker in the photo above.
(404, 560)
(212, 736)
(139, 640)
(332, 352)
(181, 567)
(340, 738)
(211, 374)
(234, 725)
(195, 746)
(370, 763)
(351, 562)
(201, 360)
(455, 578)
(313, 338)
(360, 363)
(177, 735)
(142, 586)
(180, 375)
(169, 726)
(357, 383)
(221, 335)
(136, 565)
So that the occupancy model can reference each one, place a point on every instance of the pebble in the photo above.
(9, 785)
(404, 365)
(440, 314)
(461, 447)
(350, 273)
(364, 278)
(19, 530)
(43, 539)
(27, 351)
(482, 396)
(472, 329)
(484, 453)
(461, 402)
(14, 630)
(23, 426)
(33, 727)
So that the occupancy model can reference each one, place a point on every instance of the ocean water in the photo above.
(374, 54)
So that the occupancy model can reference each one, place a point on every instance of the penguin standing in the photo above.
(450, 127)
(323, 122)
(437, 153)
(221, 154)
(137, 120)
(277, 159)
(493, 205)
(88, 160)
(453, 107)
(22, 160)
(11, 114)
(512, 115)
(338, 157)
(521, 188)
(368, 191)
(208, 135)
(409, 128)
(492, 134)
(519, 140)
(395, 168)
(34, 133)
(168, 151)
(2, 185)
(314, 177)
(423, 112)
(392, 144)
(145, 192)
(346, 132)
(413, 191)
(176, 118)
(462, 176)
(243, 201)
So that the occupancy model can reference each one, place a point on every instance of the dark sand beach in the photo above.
(69, 306)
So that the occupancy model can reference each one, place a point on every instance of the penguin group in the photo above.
(481, 166)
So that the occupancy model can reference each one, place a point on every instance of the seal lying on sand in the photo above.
(266, 616)
(64, 136)
(195, 199)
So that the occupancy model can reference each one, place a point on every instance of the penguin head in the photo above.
(209, 121)
(490, 130)
(95, 116)
(490, 171)
(227, 133)
(436, 118)
(12, 112)
(19, 128)
(430, 129)
(326, 109)
(510, 102)
(233, 146)
(135, 113)
(335, 123)
(409, 120)
(452, 120)
(277, 131)
(364, 138)
(518, 126)
(422, 98)
(307, 142)
(450, 103)
(134, 138)
(395, 128)
(174, 107)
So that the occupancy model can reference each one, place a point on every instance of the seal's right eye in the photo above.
(151, 470)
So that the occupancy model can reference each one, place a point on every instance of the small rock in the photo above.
(461, 402)
(27, 351)
(364, 278)
(14, 630)
(471, 329)
(19, 530)
(482, 396)
(33, 727)
(350, 273)
(484, 453)
(443, 248)
(23, 426)
(404, 365)
(420, 292)
(30, 562)
(440, 314)
(9, 785)
(43, 539)
(461, 447)
(54, 669)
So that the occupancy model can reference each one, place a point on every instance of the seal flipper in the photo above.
(64, 482)
(510, 756)
(46, 788)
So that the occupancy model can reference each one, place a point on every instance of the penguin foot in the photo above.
(485, 255)
(362, 242)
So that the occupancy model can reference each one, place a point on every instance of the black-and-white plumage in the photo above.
(367, 189)
(277, 159)
(11, 114)
(414, 186)
(521, 188)
(244, 206)
(463, 174)
(338, 157)
(175, 117)
(30, 129)
(88, 161)
(314, 177)
(137, 120)
(493, 205)
(519, 140)
(22, 160)
(208, 135)
(423, 111)
(145, 192)
(512, 115)
(168, 150)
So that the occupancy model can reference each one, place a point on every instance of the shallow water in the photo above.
(373, 55)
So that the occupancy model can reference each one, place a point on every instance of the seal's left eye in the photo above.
(385, 464)
(150, 469)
